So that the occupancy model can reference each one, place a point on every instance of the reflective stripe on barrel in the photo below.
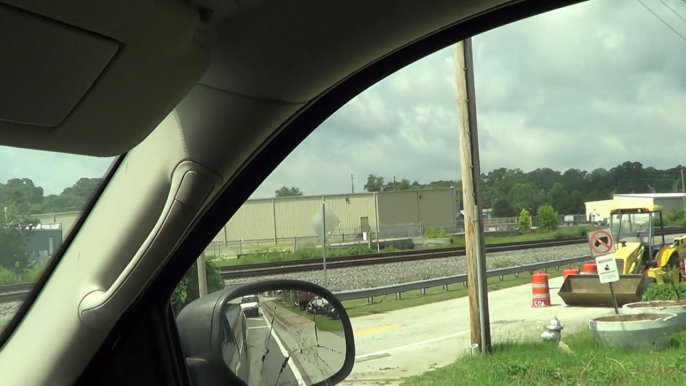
(540, 290)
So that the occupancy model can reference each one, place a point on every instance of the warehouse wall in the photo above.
(289, 217)
(434, 207)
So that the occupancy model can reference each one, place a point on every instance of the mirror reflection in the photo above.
(288, 337)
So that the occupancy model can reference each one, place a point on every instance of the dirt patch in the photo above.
(630, 318)
(666, 303)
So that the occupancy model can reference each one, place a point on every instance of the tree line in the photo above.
(508, 191)
(19, 199)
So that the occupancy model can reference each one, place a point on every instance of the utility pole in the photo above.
(352, 184)
(324, 244)
(477, 284)
(202, 276)
(683, 191)
(393, 182)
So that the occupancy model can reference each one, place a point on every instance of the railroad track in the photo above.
(308, 265)
(14, 292)
(18, 292)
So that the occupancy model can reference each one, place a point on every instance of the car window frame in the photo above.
(55, 260)
(281, 143)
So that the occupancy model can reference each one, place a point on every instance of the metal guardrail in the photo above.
(370, 293)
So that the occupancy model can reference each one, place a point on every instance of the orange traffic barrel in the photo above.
(570, 271)
(540, 290)
(589, 269)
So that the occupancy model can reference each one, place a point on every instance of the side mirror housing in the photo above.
(259, 333)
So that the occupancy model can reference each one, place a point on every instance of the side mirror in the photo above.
(270, 332)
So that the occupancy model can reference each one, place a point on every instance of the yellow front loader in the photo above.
(642, 258)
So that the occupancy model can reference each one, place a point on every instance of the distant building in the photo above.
(402, 213)
(601, 209)
(43, 242)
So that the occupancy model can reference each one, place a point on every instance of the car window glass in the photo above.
(579, 111)
(42, 194)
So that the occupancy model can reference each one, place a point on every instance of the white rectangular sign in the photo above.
(607, 269)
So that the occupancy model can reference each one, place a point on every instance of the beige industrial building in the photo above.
(400, 213)
(65, 220)
(669, 201)
(391, 212)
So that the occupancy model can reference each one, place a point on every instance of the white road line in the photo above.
(298, 377)
(403, 347)
(257, 327)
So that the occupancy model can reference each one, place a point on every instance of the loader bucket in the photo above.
(586, 290)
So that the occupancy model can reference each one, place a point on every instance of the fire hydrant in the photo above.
(553, 331)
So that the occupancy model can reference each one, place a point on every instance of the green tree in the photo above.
(15, 228)
(522, 196)
(523, 221)
(558, 197)
(187, 290)
(374, 183)
(30, 192)
(61, 203)
(547, 217)
(503, 208)
(288, 192)
(83, 188)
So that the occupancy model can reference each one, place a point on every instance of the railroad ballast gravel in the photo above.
(344, 279)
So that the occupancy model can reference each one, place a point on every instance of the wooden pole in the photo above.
(202, 276)
(683, 191)
(471, 175)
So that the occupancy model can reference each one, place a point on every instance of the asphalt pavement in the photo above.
(267, 373)
(393, 345)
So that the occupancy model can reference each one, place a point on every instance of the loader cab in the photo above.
(635, 228)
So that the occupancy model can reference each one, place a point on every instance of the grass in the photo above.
(534, 235)
(273, 255)
(541, 363)
(324, 323)
(360, 307)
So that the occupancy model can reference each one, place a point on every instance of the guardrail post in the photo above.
(370, 299)
(501, 277)
(422, 291)
(516, 274)
(398, 296)
(445, 287)
(545, 269)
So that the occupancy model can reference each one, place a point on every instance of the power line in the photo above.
(664, 22)
(671, 9)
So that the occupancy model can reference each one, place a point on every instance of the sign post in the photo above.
(602, 248)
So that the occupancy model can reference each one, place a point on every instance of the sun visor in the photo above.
(93, 78)
(47, 67)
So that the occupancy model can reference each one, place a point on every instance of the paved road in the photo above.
(267, 373)
(407, 342)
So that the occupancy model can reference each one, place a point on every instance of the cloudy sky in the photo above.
(588, 86)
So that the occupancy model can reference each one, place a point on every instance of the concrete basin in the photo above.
(659, 307)
(636, 331)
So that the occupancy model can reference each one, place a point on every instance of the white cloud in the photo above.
(588, 86)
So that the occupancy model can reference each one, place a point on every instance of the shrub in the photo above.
(547, 217)
(664, 292)
(524, 221)
(431, 233)
(187, 290)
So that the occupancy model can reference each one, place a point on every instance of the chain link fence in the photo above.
(351, 238)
